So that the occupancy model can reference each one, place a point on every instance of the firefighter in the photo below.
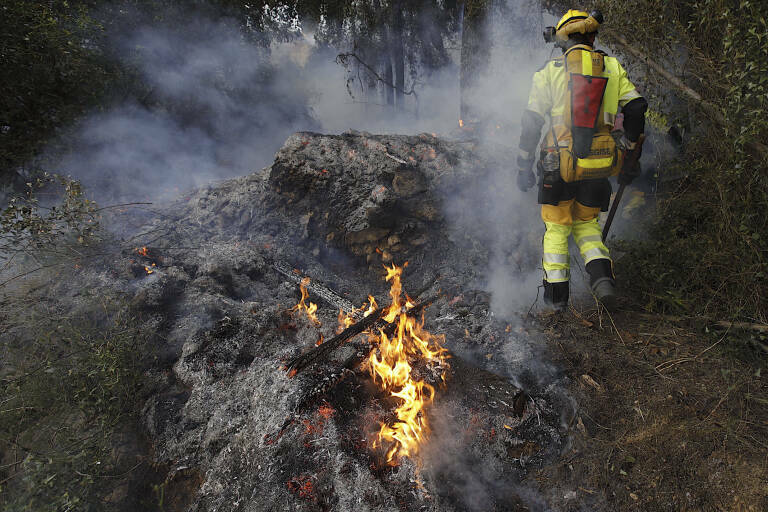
(580, 94)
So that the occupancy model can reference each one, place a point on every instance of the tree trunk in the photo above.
(475, 53)
(388, 91)
(398, 53)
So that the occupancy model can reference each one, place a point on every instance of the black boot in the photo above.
(556, 295)
(602, 282)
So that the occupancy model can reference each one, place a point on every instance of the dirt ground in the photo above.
(670, 416)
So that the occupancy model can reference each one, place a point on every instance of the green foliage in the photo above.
(72, 396)
(52, 71)
(71, 368)
(31, 228)
(52, 224)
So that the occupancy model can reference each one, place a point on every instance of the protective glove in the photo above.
(525, 180)
(625, 145)
(627, 176)
(525, 177)
(630, 169)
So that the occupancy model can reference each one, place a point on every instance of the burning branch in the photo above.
(321, 291)
(323, 351)
(391, 368)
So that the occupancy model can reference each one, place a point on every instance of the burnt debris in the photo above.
(218, 306)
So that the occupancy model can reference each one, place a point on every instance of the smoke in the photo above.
(218, 106)
(215, 108)
(508, 218)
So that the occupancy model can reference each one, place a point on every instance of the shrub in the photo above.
(708, 241)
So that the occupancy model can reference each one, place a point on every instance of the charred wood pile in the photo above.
(265, 394)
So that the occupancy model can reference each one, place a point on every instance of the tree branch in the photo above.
(343, 59)
(710, 108)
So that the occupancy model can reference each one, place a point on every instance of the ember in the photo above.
(326, 411)
(310, 309)
(302, 486)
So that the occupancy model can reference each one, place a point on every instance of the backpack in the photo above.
(590, 152)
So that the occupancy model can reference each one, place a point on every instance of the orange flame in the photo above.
(461, 123)
(347, 319)
(143, 251)
(150, 270)
(392, 371)
(310, 309)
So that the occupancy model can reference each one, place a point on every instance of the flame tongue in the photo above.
(391, 370)
(390, 363)
(311, 309)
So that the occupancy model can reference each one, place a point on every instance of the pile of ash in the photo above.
(232, 430)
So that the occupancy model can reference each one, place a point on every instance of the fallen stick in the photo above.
(741, 325)
(328, 295)
(715, 324)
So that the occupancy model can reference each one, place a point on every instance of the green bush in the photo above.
(72, 357)
(72, 394)
(52, 71)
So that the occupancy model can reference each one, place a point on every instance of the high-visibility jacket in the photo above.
(550, 96)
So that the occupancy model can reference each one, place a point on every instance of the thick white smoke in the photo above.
(219, 106)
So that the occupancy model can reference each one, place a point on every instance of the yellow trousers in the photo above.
(570, 217)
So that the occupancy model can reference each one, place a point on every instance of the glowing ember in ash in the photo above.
(310, 309)
(150, 270)
(143, 251)
(390, 365)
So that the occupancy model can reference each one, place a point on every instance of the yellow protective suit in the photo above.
(584, 194)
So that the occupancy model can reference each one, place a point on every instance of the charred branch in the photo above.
(328, 295)
(321, 352)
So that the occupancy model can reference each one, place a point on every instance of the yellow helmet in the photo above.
(571, 16)
(574, 21)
